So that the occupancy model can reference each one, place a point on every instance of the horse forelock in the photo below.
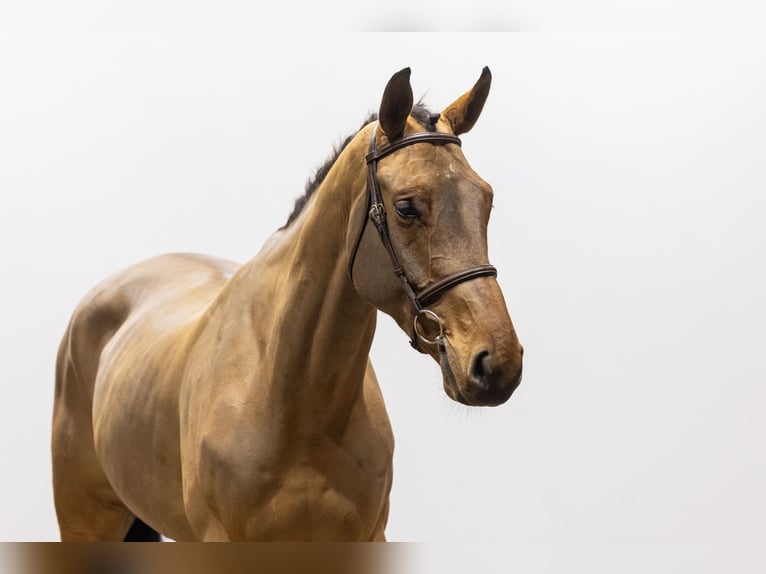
(420, 113)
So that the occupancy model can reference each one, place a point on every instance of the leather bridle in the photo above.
(376, 212)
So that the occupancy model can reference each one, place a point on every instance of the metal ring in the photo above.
(434, 317)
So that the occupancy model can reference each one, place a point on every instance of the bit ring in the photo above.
(432, 317)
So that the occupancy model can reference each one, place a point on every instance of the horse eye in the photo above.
(405, 208)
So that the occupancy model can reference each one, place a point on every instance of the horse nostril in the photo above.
(482, 368)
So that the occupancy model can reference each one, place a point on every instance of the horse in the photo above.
(203, 400)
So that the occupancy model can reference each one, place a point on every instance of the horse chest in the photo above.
(307, 476)
(310, 504)
(325, 493)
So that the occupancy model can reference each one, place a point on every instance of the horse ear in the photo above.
(463, 112)
(396, 105)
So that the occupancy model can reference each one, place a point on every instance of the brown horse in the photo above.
(210, 401)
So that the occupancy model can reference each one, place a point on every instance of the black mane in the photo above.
(420, 113)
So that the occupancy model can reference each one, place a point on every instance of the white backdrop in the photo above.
(628, 232)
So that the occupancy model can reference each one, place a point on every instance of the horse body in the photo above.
(223, 402)
(182, 333)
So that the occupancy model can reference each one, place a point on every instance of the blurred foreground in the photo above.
(200, 558)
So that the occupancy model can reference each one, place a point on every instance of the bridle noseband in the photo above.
(376, 213)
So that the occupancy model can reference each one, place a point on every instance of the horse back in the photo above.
(160, 291)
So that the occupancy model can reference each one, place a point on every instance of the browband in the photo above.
(432, 137)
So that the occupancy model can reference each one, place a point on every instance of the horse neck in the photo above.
(314, 330)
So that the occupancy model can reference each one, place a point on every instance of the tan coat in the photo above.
(224, 402)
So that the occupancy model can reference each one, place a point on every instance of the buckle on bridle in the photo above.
(377, 214)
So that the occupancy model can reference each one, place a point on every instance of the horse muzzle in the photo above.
(490, 381)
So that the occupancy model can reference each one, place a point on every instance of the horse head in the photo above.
(421, 254)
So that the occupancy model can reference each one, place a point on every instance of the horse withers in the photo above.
(206, 400)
